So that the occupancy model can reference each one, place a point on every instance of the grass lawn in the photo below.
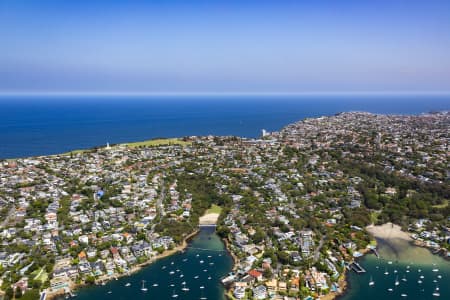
(374, 217)
(158, 142)
(214, 209)
(155, 142)
(40, 275)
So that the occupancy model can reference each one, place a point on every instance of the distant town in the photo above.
(293, 205)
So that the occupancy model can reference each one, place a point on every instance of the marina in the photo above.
(401, 271)
(357, 268)
(180, 276)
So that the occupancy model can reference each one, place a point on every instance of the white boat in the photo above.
(371, 282)
(109, 292)
(202, 297)
(436, 292)
(155, 284)
(201, 261)
(396, 281)
(143, 288)
(127, 284)
(390, 289)
(435, 270)
(404, 295)
(390, 262)
(185, 289)
(386, 272)
(196, 277)
(174, 295)
(419, 281)
(171, 272)
(404, 278)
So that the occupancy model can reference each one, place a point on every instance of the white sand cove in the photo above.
(209, 219)
(388, 231)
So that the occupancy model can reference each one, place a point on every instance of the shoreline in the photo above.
(388, 231)
(133, 270)
(385, 233)
(235, 258)
(209, 219)
(206, 219)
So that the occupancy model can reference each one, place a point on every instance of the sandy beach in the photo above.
(388, 231)
(209, 219)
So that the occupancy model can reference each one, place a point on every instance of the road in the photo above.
(159, 203)
(10, 213)
(317, 251)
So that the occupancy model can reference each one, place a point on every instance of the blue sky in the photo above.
(224, 46)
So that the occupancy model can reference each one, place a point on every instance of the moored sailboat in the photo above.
(143, 288)
(371, 282)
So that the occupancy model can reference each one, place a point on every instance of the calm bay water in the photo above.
(206, 247)
(32, 126)
(404, 257)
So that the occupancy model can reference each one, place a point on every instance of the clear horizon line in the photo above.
(149, 94)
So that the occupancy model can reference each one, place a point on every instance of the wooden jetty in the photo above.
(357, 268)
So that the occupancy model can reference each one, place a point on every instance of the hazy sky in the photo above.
(224, 46)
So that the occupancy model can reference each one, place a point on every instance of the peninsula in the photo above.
(293, 205)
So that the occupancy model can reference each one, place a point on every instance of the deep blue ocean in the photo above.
(31, 126)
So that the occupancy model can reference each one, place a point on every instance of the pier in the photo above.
(357, 268)
(228, 279)
(375, 252)
(43, 296)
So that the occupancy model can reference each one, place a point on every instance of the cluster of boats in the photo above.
(174, 294)
(435, 293)
(184, 288)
